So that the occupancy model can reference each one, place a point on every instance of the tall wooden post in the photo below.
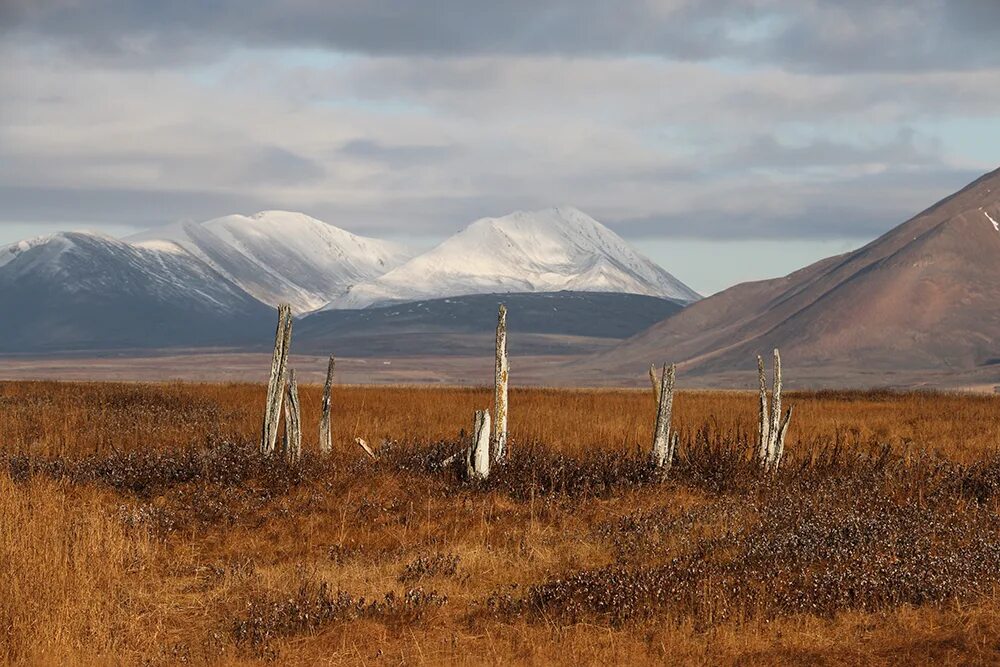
(293, 421)
(500, 388)
(325, 439)
(276, 383)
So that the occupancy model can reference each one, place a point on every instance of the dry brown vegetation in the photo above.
(139, 525)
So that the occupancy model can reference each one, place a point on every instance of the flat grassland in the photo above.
(138, 525)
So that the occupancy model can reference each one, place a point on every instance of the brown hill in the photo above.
(922, 301)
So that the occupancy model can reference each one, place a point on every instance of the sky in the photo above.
(729, 140)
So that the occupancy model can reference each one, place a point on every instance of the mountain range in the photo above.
(188, 284)
(919, 305)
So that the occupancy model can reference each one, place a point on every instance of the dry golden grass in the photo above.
(191, 551)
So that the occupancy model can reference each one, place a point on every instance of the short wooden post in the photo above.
(293, 421)
(325, 438)
(477, 463)
(663, 441)
(276, 382)
(500, 388)
(368, 450)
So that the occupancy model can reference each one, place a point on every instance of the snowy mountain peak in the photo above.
(555, 249)
(282, 256)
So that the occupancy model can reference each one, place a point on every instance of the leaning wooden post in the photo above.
(653, 380)
(325, 439)
(368, 450)
(500, 388)
(293, 421)
(663, 443)
(477, 462)
(276, 383)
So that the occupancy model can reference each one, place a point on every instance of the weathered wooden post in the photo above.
(325, 438)
(771, 427)
(500, 388)
(293, 421)
(664, 442)
(368, 450)
(653, 380)
(276, 383)
(477, 462)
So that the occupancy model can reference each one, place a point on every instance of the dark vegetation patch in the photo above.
(425, 567)
(314, 606)
(864, 531)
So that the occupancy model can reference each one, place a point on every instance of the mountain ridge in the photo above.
(75, 290)
(555, 249)
(282, 256)
(921, 295)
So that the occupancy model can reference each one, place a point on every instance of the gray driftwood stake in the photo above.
(653, 380)
(775, 428)
(325, 439)
(772, 428)
(500, 388)
(764, 421)
(663, 443)
(276, 383)
(368, 450)
(293, 421)
(478, 457)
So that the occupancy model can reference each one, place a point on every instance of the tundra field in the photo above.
(139, 525)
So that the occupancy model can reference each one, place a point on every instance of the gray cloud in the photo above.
(273, 164)
(135, 207)
(737, 119)
(369, 149)
(824, 35)
(859, 208)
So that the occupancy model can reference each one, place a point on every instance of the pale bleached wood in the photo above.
(772, 429)
(293, 421)
(502, 373)
(780, 447)
(764, 423)
(276, 381)
(368, 450)
(477, 460)
(451, 459)
(325, 438)
(775, 428)
(662, 455)
(653, 380)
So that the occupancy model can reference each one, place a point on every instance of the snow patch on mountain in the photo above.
(996, 225)
(557, 249)
(281, 256)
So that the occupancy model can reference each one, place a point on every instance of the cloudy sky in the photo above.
(728, 139)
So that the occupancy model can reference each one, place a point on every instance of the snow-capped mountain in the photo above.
(280, 256)
(76, 290)
(539, 251)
